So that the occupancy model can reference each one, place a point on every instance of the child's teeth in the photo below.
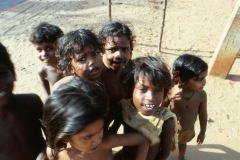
(2, 93)
(149, 106)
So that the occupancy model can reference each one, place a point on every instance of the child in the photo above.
(118, 44)
(43, 38)
(146, 81)
(78, 53)
(188, 99)
(74, 119)
(20, 128)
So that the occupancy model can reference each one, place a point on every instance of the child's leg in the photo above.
(182, 149)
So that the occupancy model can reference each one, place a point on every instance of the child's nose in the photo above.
(97, 140)
(43, 53)
(149, 95)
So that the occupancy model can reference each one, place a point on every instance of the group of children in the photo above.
(95, 82)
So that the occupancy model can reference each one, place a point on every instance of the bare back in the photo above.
(186, 110)
(20, 129)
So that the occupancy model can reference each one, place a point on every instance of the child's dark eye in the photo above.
(158, 91)
(112, 50)
(81, 59)
(142, 89)
(125, 49)
(95, 53)
(49, 49)
(87, 137)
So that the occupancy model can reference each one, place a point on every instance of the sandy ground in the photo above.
(190, 27)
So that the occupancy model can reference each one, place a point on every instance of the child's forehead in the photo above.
(44, 44)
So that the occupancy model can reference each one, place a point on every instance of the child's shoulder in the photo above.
(42, 70)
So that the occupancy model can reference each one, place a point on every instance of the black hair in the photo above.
(70, 108)
(72, 43)
(45, 32)
(148, 66)
(188, 66)
(5, 59)
(116, 29)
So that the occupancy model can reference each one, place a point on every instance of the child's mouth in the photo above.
(149, 106)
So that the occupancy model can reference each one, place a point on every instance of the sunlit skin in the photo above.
(92, 144)
(196, 106)
(88, 63)
(46, 53)
(146, 96)
(48, 73)
(88, 139)
(118, 52)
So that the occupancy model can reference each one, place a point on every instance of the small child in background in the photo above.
(78, 54)
(146, 81)
(74, 119)
(20, 129)
(118, 44)
(43, 38)
(188, 100)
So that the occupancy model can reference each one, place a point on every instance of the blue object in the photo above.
(8, 3)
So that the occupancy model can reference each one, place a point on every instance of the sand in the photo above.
(190, 27)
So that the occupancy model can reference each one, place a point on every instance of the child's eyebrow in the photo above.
(89, 135)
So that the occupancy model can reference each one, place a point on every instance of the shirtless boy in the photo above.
(20, 129)
(188, 100)
(43, 38)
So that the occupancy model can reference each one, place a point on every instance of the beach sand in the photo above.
(190, 27)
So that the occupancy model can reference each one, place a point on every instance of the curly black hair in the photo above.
(72, 43)
(45, 32)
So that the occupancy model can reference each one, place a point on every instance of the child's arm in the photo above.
(202, 119)
(166, 139)
(45, 83)
(130, 139)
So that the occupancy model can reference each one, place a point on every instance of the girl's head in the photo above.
(71, 112)
(146, 80)
(187, 67)
(79, 52)
(118, 44)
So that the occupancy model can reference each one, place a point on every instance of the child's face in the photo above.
(46, 53)
(196, 84)
(118, 52)
(88, 63)
(146, 96)
(89, 139)
(6, 84)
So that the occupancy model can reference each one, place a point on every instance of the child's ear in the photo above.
(65, 139)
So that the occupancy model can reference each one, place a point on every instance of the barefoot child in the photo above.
(118, 44)
(188, 99)
(20, 129)
(78, 54)
(43, 38)
(74, 119)
(146, 81)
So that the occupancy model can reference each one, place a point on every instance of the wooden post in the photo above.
(109, 10)
(228, 46)
(162, 25)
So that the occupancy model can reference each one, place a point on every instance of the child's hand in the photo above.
(200, 139)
